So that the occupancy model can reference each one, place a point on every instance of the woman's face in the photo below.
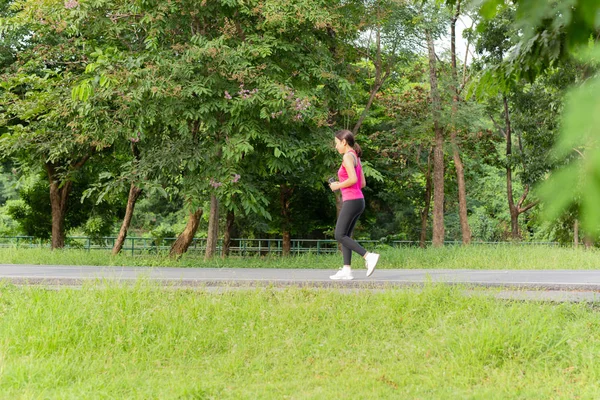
(340, 145)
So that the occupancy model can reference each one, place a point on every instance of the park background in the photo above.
(215, 120)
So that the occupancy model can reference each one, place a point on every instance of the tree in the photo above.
(33, 210)
(38, 116)
(529, 110)
(551, 32)
(458, 164)
(237, 74)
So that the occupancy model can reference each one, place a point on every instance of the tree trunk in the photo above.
(213, 228)
(187, 236)
(59, 195)
(134, 194)
(438, 194)
(438, 153)
(514, 215)
(515, 232)
(228, 232)
(58, 202)
(462, 192)
(285, 194)
(287, 243)
(425, 211)
(460, 174)
(514, 209)
(453, 44)
(576, 233)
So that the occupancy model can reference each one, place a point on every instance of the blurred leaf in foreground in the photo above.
(579, 145)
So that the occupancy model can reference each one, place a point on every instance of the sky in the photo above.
(461, 44)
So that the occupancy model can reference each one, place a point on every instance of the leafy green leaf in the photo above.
(560, 190)
(581, 126)
(490, 8)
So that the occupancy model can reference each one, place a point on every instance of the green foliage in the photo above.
(580, 180)
(33, 213)
(578, 183)
(187, 99)
(549, 31)
(269, 96)
(162, 231)
(96, 227)
(489, 219)
(153, 212)
(8, 179)
(530, 54)
(8, 226)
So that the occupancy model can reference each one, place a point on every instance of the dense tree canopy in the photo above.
(232, 105)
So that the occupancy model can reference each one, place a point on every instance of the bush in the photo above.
(161, 232)
(96, 227)
(8, 226)
(484, 227)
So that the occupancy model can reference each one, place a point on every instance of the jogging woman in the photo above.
(351, 181)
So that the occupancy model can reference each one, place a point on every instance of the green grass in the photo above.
(146, 342)
(450, 257)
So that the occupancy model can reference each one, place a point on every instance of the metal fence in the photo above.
(239, 246)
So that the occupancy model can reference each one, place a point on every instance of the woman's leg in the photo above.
(347, 252)
(351, 210)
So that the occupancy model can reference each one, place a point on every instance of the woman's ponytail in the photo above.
(357, 149)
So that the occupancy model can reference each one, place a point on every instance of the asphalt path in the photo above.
(544, 285)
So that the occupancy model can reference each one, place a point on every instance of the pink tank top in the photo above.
(352, 192)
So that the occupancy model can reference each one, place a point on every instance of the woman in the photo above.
(351, 181)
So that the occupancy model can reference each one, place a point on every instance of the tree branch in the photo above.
(579, 152)
(374, 91)
(498, 126)
(238, 26)
(528, 207)
(49, 167)
(464, 82)
(523, 197)
(82, 161)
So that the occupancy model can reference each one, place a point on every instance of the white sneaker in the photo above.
(370, 262)
(342, 275)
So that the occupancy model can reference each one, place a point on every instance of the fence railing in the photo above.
(238, 246)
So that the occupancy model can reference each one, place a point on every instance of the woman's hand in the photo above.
(334, 186)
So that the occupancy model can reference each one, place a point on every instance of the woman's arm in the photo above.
(352, 178)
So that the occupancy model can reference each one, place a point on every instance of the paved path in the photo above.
(576, 285)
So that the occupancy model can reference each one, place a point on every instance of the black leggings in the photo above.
(351, 210)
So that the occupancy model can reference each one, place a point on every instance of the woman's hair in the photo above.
(346, 135)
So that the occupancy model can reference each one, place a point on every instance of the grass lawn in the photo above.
(450, 257)
(146, 342)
